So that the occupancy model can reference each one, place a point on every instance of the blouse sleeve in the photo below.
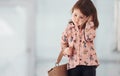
(90, 32)
(64, 40)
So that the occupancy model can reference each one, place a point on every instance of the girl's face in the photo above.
(78, 18)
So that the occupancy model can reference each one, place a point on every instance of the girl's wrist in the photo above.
(68, 51)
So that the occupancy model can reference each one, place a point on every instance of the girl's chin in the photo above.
(77, 24)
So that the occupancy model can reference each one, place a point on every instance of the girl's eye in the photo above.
(75, 15)
(81, 17)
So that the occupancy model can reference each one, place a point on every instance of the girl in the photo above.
(77, 40)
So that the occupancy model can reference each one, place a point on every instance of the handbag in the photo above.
(58, 70)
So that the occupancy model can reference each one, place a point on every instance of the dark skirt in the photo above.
(82, 70)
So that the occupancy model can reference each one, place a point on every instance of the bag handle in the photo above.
(59, 58)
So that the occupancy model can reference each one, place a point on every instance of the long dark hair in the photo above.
(88, 9)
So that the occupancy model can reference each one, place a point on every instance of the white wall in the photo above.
(117, 22)
(106, 34)
(52, 18)
(17, 38)
(13, 57)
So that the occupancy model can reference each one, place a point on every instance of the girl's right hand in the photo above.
(67, 51)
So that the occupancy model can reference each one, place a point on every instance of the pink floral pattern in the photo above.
(83, 52)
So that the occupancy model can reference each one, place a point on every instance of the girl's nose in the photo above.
(77, 19)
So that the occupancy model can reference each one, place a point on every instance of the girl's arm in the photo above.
(90, 32)
(65, 46)
(64, 41)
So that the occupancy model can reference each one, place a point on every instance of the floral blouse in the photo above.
(83, 52)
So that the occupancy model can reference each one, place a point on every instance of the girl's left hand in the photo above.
(89, 25)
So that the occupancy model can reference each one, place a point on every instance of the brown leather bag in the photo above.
(58, 70)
